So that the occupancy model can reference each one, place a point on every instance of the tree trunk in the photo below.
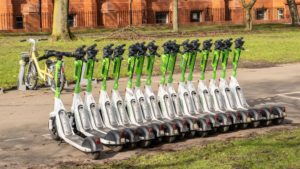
(175, 15)
(60, 29)
(294, 12)
(130, 13)
(248, 19)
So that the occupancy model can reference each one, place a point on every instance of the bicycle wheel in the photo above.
(62, 78)
(31, 76)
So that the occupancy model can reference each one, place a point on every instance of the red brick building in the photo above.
(36, 15)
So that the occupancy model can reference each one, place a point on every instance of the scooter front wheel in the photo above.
(243, 125)
(53, 130)
(192, 134)
(181, 136)
(203, 133)
(95, 155)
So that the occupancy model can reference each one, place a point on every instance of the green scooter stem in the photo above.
(116, 71)
(171, 67)
(235, 61)
(149, 69)
(183, 65)
(105, 71)
(57, 75)
(130, 70)
(164, 67)
(203, 64)
(215, 63)
(78, 71)
(192, 61)
(89, 73)
(225, 56)
(139, 70)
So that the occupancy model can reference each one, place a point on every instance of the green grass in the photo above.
(275, 150)
(267, 44)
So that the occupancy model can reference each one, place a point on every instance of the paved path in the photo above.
(24, 139)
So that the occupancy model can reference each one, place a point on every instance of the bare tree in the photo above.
(248, 7)
(175, 15)
(60, 29)
(294, 12)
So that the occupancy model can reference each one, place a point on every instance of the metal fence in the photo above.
(83, 19)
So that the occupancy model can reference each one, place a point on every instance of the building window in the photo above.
(19, 22)
(196, 16)
(71, 20)
(162, 17)
(280, 13)
(261, 14)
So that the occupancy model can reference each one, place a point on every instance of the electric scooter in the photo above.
(135, 110)
(219, 120)
(205, 97)
(106, 109)
(152, 101)
(60, 123)
(250, 117)
(269, 113)
(217, 98)
(145, 133)
(91, 120)
(186, 97)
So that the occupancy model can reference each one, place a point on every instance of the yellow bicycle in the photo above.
(34, 72)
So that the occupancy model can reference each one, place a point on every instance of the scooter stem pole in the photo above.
(236, 58)
(78, 71)
(57, 75)
(130, 70)
(215, 63)
(192, 61)
(139, 70)
(105, 71)
(183, 65)
(171, 67)
(164, 67)
(89, 74)
(149, 70)
(116, 72)
(203, 64)
(225, 55)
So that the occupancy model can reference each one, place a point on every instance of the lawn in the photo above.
(270, 151)
(266, 44)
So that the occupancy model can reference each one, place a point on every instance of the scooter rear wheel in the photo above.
(115, 148)
(266, 122)
(170, 139)
(145, 143)
(203, 133)
(223, 129)
(95, 155)
(255, 124)
(234, 127)
(243, 125)
(278, 121)
(192, 134)
(181, 136)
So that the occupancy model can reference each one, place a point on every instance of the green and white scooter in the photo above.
(219, 120)
(187, 97)
(217, 98)
(137, 106)
(106, 108)
(268, 113)
(151, 98)
(60, 126)
(145, 133)
(91, 120)
(250, 117)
